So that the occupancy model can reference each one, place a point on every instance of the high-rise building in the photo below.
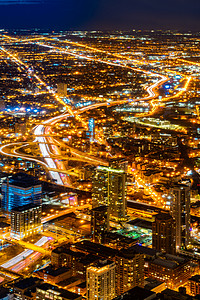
(62, 89)
(129, 270)
(26, 221)
(101, 281)
(21, 189)
(99, 223)
(180, 211)
(91, 129)
(164, 233)
(119, 163)
(109, 188)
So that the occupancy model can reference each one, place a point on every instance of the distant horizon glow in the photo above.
(20, 2)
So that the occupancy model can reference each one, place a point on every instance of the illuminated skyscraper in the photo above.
(180, 211)
(26, 221)
(109, 188)
(101, 281)
(164, 233)
(21, 189)
(99, 223)
(129, 270)
(91, 128)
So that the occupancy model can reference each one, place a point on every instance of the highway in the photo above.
(40, 131)
(64, 212)
(49, 145)
(9, 264)
(37, 250)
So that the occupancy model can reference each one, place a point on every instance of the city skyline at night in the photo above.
(99, 150)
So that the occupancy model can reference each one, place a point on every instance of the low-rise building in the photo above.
(25, 289)
(171, 269)
(54, 276)
(47, 291)
(137, 293)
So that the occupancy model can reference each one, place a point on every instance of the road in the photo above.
(64, 212)
(9, 264)
(55, 166)
(39, 131)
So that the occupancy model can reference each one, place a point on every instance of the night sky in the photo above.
(101, 14)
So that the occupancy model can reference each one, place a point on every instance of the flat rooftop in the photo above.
(23, 180)
(25, 207)
(61, 292)
(96, 249)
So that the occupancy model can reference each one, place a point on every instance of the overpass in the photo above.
(28, 246)
(5, 273)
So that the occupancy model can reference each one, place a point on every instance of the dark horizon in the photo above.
(179, 15)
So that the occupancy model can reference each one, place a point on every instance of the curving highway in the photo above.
(42, 132)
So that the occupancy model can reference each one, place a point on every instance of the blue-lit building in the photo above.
(20, 189)
(91, 129)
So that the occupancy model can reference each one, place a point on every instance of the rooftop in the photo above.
(55, 272)
(163, 216)
(3, 292)
(88, 259)
(144, 250)
(127, 253)
(169, 261)
(65, 249)
(136, 293)
(175, 295)
(23, 180)
(25, 207)
(151, 283)
(4, 225)
(27, 283)
(195, 278)
(123, 239)
(141, 223)
(61, 292)
(96, 249)
(100, 208)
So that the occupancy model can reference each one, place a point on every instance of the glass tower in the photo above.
(109, 187)
(21, 189)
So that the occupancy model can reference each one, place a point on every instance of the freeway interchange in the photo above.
(42, 133)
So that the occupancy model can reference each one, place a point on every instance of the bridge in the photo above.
(28, 245)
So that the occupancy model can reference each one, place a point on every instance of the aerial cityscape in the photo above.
(99, 151)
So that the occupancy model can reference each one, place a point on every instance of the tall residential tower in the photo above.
(109, 188)
(101, 281)
(180, 211)
(164, 233)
